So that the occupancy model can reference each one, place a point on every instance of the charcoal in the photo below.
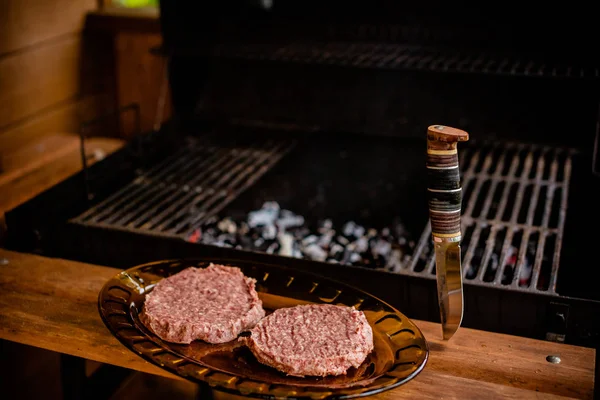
(289, 220)
(211, 220)
(359, 231)
(244, 229)
(327, 225)
(310, 240)
(342, 240)
(265, 216)
(382, 248)
(348, 229)
(362, 244)
(336, 250)
(301, 232)
(245, 241)
(315, 252)
(296, 253)
(494, 262)
(269, 232)
(394, 262)
(273, 247)
(325, 240)
(380, 262)
(355, 258)
(195, 236)
(227, 225)
(274, 230)
(399, 229)
(287, 244)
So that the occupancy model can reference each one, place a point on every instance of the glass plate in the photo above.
(400, 351)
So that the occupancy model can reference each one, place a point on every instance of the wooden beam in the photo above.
(115, 20)
(49, 166)
(141, 78)
(39, 78)
(25, 23)
(64, 117)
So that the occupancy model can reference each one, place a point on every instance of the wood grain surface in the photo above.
(52, 304)
(65, 117)
(25, 23)
(34, 80)
(45, 163)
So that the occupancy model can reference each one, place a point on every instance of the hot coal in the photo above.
(278, 231)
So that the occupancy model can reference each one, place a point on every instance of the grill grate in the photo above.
(395, 56)
(514, 208)
(187, 188)
(514, 205)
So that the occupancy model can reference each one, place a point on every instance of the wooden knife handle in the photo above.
(444, 189)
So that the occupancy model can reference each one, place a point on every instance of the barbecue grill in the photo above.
(324, 116)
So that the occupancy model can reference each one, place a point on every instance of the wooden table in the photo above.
(52, 304)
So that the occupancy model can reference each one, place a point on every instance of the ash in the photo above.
(277, 231)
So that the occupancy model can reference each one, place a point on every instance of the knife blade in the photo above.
(444, 201)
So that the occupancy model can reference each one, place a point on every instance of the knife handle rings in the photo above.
(444, 192)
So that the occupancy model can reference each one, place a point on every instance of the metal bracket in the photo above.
(162, 96)
(556, 324)
(595, 157)
(83, 135)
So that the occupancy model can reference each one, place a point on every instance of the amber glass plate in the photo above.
(400, 349)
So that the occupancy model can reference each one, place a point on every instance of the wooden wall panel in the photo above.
(140, 78)
(62, 118)
(37, 79)
(24, 23)
(42, 176)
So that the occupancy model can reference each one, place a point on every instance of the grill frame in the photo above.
(476, 163)
(515, 166)
(44, 225)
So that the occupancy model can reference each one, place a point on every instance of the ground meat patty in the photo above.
(213, 304)
(312, 340)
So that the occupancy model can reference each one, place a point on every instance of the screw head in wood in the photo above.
(553, 359)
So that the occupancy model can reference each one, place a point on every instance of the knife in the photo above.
(444, 195)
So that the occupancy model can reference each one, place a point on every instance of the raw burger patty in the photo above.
(312, 340)
(213, 304)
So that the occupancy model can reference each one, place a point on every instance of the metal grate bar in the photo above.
(528, 230)
(485, 211)
(513, 219)
(481, 223)
(515, 197)
(188, 187)
(561, 223)
(200, 170)
(242, 168)
(546, 218)
(398, 56)
(209, 188)
(242, 182)
(108, 206)
(179, 199)
(151, 185)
